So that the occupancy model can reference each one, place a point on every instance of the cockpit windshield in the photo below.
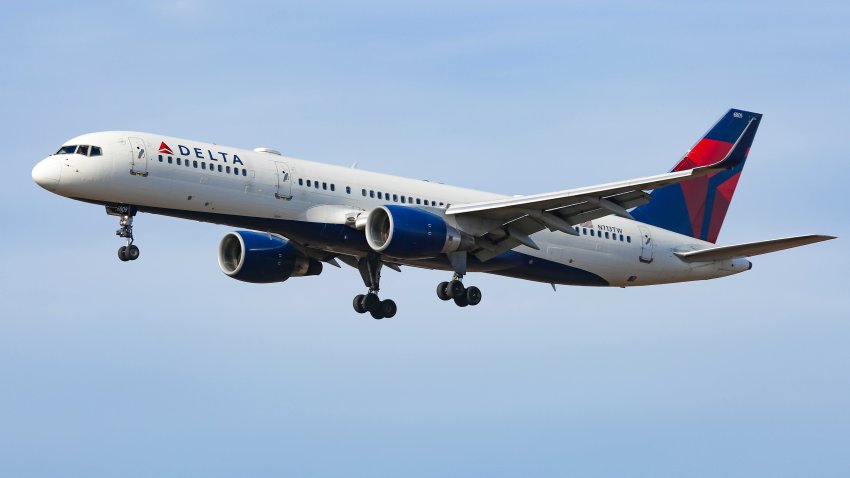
(83, 150)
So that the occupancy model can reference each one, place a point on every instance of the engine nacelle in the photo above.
(263, 258)
(411, 233)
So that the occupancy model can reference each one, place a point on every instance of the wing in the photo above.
(503, 224)
(750, 249)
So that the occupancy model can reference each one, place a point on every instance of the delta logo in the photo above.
(201, 154)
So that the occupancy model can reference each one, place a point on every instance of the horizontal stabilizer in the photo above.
(750, 249)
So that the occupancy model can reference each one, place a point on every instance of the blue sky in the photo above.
(166, 367)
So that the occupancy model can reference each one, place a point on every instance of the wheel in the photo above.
(473, 295)
(122, 254)
(455, 289)
(132, 252)
(461, 301)
(371, 302)
(377, 314)
(358, 304)
(388, 308)
(441, 291)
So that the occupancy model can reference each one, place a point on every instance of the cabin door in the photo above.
(284, 181)
(646, 245)
(138, 157)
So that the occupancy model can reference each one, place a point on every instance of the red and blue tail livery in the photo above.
(697, 207)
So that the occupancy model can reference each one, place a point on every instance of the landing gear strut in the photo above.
(130, 252)
(370, 271)
(455, 290)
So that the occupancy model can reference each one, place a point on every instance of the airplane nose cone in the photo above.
(46, 174)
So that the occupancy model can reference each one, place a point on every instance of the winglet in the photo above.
(738, 154)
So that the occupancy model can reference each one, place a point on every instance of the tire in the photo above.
(388, 308)
(122, 254)
(456, 289)
(441, 291)
(132, 252)
(473, 295)
(358, 304)
(461, 301)
(371, 303)
(376, 314)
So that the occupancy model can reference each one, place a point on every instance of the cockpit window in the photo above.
(83, 149)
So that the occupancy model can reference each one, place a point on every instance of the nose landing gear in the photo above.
(130, 252)
(455, 290)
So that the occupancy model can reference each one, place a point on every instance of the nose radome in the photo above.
(46, 173)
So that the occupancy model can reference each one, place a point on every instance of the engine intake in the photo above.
(411, 233)
(263, 258)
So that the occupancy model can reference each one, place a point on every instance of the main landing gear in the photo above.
(454, 290)
(370, 271)
(130, 252)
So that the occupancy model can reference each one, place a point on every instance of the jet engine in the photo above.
(411, 233)
(263, 258)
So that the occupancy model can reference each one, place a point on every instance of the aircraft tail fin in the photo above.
(697, 207)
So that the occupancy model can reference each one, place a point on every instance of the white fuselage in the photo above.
(315, 204)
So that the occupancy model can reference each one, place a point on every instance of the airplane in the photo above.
(296, 215)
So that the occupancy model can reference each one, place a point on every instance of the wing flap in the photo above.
(750, 249)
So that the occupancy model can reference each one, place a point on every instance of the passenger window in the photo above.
(629, 239)
(441, 203)
(395, 197)
(96, 151)
(160, 158)
(178, 162)
(402, 200)
(584, 231)
(203, 165)
(576, 229)
(332, 187)
(348, 190)
(591, 233)
(621, 238)
(316, 184)
(244, 172)
(186, 163)
(195, 164)
(325, 186)
(309, 183)
(380, 196)
(169, 160)
(418, 201)
(364, 192)
(606, 234)
(84, 150)
(227, 169)
(371, 194)
(236, 171)
(219, 168)
(300, 181)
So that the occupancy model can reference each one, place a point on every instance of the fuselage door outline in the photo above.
(284, 181)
